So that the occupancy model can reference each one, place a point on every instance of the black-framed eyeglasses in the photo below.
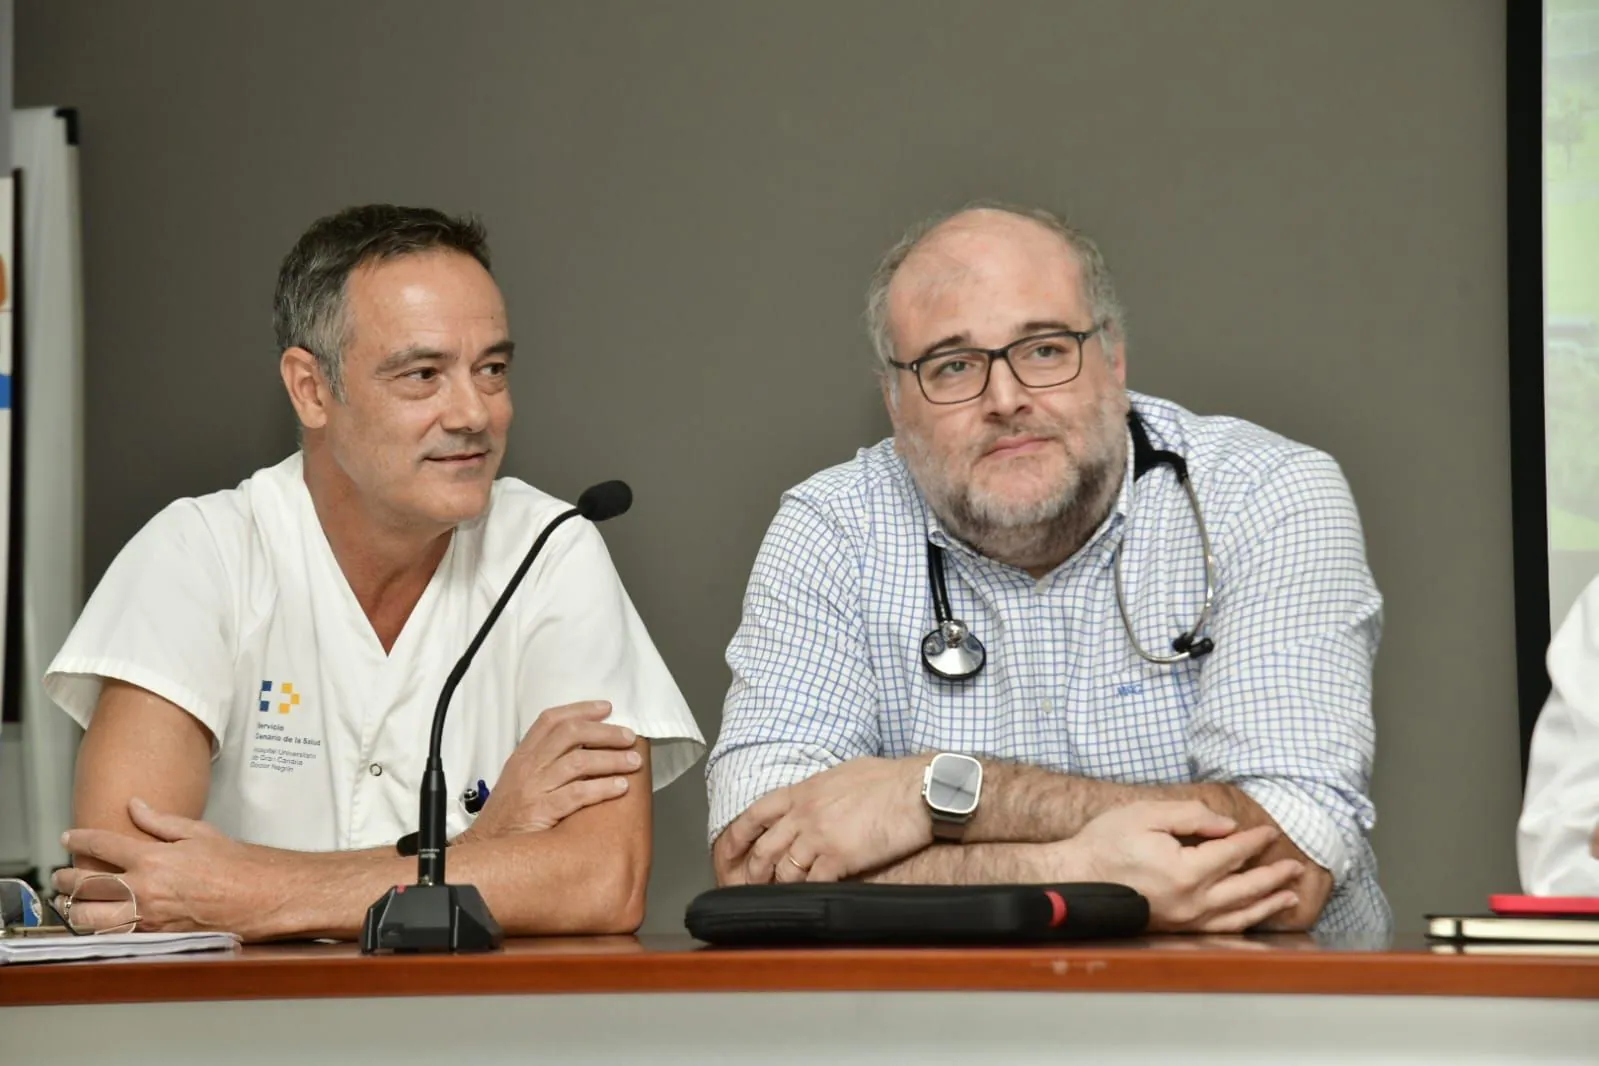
(1041, 361)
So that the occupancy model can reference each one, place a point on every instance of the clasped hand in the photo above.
(857, 817)
(1204, 887)
(569, 760)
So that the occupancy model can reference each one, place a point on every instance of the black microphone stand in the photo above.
(433, 915)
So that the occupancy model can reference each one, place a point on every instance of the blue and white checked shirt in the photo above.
(826, 661)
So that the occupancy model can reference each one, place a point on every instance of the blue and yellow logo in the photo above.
(286, 698)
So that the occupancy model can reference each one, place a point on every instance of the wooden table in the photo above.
(668, 999)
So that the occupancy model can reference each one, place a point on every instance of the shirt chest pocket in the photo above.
(997, 713)
(1136, 728)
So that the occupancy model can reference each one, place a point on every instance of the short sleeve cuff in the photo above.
(670, 756)
(75, 684)
(1307, 823)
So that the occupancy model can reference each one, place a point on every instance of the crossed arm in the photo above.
(557, 820)
(1207, 856)
(1032, 806)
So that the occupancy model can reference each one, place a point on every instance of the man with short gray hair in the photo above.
(258, 668)
(1009, 645)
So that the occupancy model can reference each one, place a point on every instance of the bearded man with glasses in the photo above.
(1030, 507)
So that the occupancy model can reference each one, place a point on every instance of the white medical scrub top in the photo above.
(233, 607)
(1560, 809)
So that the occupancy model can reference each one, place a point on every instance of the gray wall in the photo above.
(1304, 203)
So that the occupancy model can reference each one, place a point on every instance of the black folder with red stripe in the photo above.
(854, 913)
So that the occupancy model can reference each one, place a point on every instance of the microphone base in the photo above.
(412, 919)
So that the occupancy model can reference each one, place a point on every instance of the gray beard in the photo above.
(1043, 535)
(1050, 539)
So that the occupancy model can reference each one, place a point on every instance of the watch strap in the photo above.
(948, 830)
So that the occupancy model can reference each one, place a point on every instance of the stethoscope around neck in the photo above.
(952, 651)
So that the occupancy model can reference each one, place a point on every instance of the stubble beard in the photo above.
(1044, 531)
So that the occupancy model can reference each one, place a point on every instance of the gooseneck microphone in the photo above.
(432, 915)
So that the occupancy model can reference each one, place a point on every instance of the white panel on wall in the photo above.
(50, 399)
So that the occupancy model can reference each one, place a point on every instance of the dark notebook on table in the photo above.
(1551, 930)
(1523, 919)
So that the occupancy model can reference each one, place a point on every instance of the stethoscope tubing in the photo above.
(952, 651)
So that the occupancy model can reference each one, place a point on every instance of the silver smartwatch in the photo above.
(952, 785)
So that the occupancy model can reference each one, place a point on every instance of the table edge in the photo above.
(243, 977)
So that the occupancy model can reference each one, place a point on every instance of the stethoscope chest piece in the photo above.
(952, 652)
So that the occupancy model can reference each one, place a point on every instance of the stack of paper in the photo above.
(67, 948)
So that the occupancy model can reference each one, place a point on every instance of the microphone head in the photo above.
(605, 500)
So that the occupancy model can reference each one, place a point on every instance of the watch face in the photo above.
(955, 784)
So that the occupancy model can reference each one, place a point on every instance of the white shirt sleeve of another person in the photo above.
(584, 640)
(163, 618)
(1561, 807)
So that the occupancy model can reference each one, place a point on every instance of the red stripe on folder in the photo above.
(1057, 906)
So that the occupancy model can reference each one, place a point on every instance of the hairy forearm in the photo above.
(973, 864)
(552, 882)
(1026, 804)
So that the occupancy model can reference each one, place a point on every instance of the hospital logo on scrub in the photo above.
(281, 693)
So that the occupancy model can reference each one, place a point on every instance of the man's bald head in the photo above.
(955, 248)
